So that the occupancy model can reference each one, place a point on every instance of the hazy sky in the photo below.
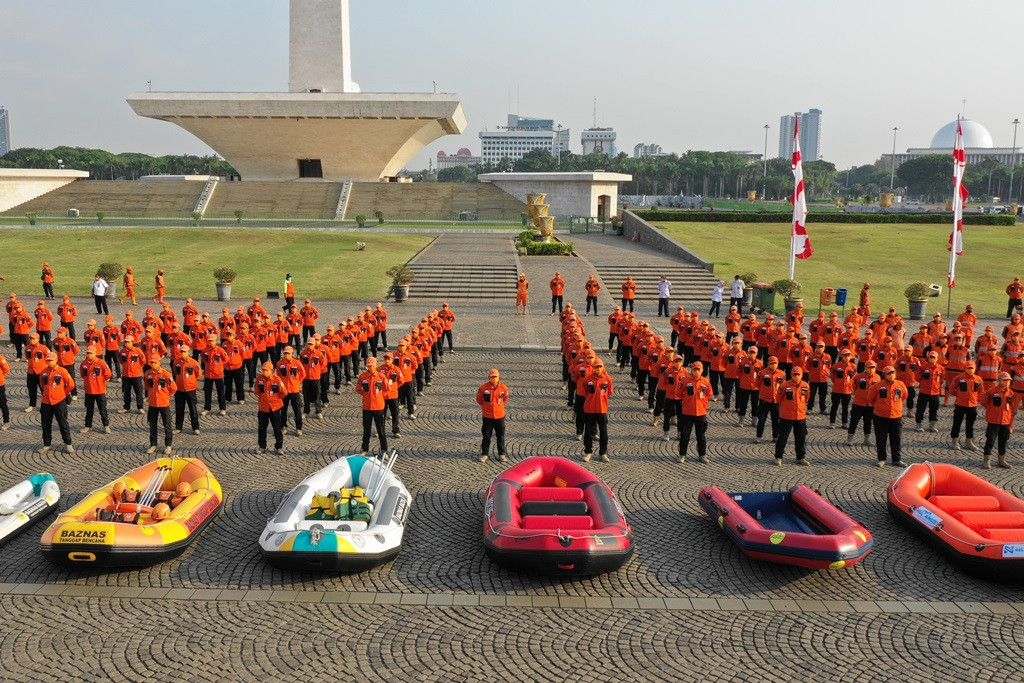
(683, 74)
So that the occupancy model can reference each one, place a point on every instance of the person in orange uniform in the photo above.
(906, 372)
(593, 287)
(448, 318)
(167, 320)
(21, 326)
(381, 318)
(768, 403)
(731, 377)
(113, 337)
(130, 326)
(93, 337)
(67, 313)
(597, 389)
(492, 397)
(522, 287)
(841, 375)
(256, 310)
(930, 376)
(290, 370)
(55, 384)
(1015, 292)
(95, 374)
(865, 300)
(35, 357)
(628, 293)
(234, 374)
(47, 278)
(129, 284)
(793, 396)
(862, 383)
(44, 323)
(159, 283)
(557, 286)
(313, 362)
(309, 317)
(270, 392)
(186, 372)
(694, 393)
(966, 388)
(214, 359)
(289, 293)
(750, 369)
(159, 387)
(393, 374)
(818, 366)
(968, 319)
(671, 380)
(1001, 404)
(5, 411)
(407, 361)
(372, 386)
(989, 366)
(886, 399)
(66, 349)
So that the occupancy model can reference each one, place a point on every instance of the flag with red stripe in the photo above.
(960, 194)
(800, 243)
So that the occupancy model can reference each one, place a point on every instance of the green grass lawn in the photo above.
(889, 256)
(323, 264)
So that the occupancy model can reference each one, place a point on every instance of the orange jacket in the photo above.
(830, 333)
(35, 356)
(862, 387)
(906, 370)
(956, 359)
(128, 280)
(151, 345)
(256, 311)
(671, 379)
(592, 287)
(159, 386)
(95, 375)
(95, 338)
(492, 399)
(966, 389)
(5, 368)
(695, 392)
(1015, 290)
(770, 383)
(67, 313)
(818, 366)
(887, 398)
(866, 349)
(186, 373)
(270, 392)
(381, 316)
(189, 315)
(792, 397)
(309, 315)
(234, 352)
(989, 365)
(113, 336)
(292, 372)
(214, 359)
(21, 323)
(842, 374)
(132, 361)
(1000, 406)
(66, 349)
(628, 289)
(596, 390)
(313, 362)
(372, 386)
(750, 373)
(177, 342)
(929, 379)
(557, 285)
(225, 324)
(56, 384)
(393, 374)
(131, 327)
(47, 274)
(44, 319)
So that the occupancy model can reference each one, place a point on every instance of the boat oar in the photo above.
(379, 484)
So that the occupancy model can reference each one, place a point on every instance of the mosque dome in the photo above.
(975, 135)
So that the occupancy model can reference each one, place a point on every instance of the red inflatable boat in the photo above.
(796, 527)
(977, 525)
(551, 516)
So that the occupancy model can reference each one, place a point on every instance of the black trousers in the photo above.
(838, 400)
(57, 412)
(697, 423)
(799, 429)
(382, 339)
(311, 396)
(929, 402)
(819, 389)
(960, 414)
(272, 418)
(889, 430)
(391, 406)
(627, 302)
(767, 410)
(716, 309)
(652, 391)
(407, 397)
(289, 301)
(249, 364)
(641, 380)
(163, 415)
(233, 380)
(729, 385)
(663, 307)
(4, 409)
(672, 408)
(71, 330)
(591, 301)
(1011, 305)
(596, 422)
(556, 301)
(48, 290)
(20, 341)
(44, 338)
(182, 399)
(32, 381)
(717, 379)
(738, 303)
(447, 337)
(1000, 433)
(93, 402)
(612, 338)
(856, 414)
(374, 418)
(110, 358)
(293, 401)
(745, 395)
(581, 417)
(325, 388)
(71, 371)
(496, 425)
(659, 401)
(307, 332)
(208, 387)
(129, 385)
(101, 304)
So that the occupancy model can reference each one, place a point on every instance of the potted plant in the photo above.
(238, 215)
(401, 277)
(196, 217)
(748, 287)
(917, 294)
(379, 215)
(788, 290)
(361, 220)
(224, 277)
(111, 272)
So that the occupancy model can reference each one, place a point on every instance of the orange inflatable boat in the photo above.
(977, 525)
(148, 515)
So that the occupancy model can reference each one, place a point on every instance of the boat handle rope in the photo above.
(940, 528)
(559, 535)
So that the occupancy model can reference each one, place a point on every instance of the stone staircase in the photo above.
(464, 281)
(691, 285)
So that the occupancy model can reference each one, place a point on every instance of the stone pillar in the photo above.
(320, 54)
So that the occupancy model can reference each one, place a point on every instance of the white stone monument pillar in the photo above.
(320, 52)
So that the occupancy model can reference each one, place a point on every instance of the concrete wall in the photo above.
(634, 226)
(19, 185)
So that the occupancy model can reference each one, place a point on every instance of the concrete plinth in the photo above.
(569, 194)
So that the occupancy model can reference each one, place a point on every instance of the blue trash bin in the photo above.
(841, 297)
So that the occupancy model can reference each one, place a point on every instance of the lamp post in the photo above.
(1013, 156)
(764, 158)
(892, 173)
(558, 147)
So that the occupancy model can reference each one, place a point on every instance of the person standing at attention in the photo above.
(522, 285)
(664, 292)
(159, 282)
(628, 293)
(736, 293)
(593, 287)
(1015, 291)
(492, 397)
(716, 300)
(47, 278)
(99, 294)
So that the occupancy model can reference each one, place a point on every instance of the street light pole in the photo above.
(1013, 156)
(558, 146)
(764, 173)
(892, 173)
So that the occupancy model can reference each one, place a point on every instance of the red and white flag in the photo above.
(960, 194)
(800, 243)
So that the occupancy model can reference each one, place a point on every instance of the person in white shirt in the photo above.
(716, 300)
(99, 294)
(664, 291)
(736, 294)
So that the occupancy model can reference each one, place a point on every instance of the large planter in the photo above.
(748, 294)
(791, 304)
(401, 292)
(223, 291)
(917, 308)
(111, 290)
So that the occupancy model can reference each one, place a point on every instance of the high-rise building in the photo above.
(642, 150)
(5, 131)
(598, 141)
(522, 134)
(810, 135)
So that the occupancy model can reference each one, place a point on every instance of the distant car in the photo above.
(996, 209)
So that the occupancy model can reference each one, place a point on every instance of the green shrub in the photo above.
(238, 217)
(110, 271)
(379, 215)
(224, 275)
(786, 288)
(361, 220)
(196, 217)
(100, 215)
(660, 216)
(401, 274)
(549, 248)
(32, 216)
(917, 291)
(748, 278)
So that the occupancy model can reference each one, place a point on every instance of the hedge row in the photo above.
(549, 248)
(656, 216)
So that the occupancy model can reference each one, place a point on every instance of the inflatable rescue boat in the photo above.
(348, 517)
(549, 515)
(977, 525)
(797, 527)
(26, 503)
(148, 515)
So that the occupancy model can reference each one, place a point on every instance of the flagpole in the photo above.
(792, 251)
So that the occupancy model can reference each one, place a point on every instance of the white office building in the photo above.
(810, 135)
(522, 135)
(598, 141)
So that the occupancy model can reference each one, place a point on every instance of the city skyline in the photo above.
(61, 93)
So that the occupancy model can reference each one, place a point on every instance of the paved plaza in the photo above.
(688, 605)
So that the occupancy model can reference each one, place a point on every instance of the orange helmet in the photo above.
(160, 511)
(183, 490)
(118, 493)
